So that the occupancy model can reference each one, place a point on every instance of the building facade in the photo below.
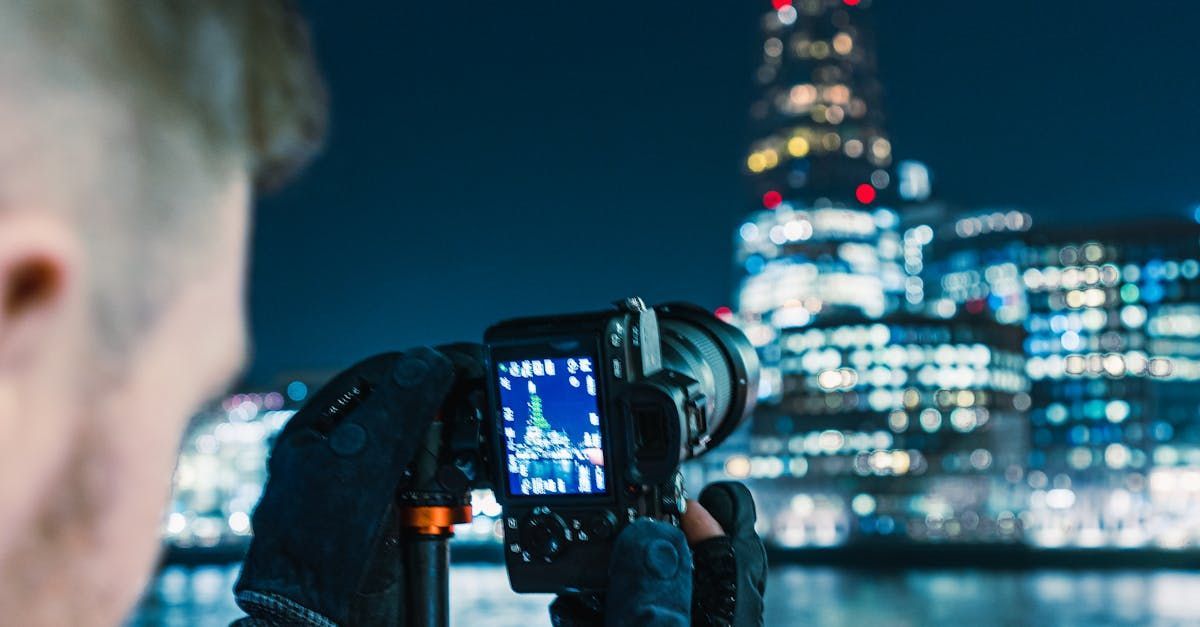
(1114, 358)
(875, 418)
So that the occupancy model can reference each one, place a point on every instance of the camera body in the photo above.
(590, 426)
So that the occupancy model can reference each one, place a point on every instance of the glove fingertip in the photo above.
(662, 548)
(333, 394)
(407, 398)
(462, 353)
(732, 505)
(650, 576)
(419, 381)
(422, 366)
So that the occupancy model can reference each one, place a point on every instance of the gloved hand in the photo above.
(324, 549)
(731, 569)
(655, 580)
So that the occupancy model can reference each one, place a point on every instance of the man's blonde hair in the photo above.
(242, 69)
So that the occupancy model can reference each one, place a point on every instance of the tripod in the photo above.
(437, 496)
(426, 533)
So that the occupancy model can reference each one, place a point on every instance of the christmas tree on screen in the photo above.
(536, 418)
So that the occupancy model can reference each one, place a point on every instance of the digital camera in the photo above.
(591, 416)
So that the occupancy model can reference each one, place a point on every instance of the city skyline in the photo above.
(932, 369)
(941, 372)
(455, 140)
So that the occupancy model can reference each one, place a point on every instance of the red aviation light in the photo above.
(865, 193)
(779, 4)
(772, 199)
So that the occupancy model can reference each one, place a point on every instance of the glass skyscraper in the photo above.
(875, 418)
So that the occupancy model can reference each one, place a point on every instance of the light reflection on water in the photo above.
(797, 595)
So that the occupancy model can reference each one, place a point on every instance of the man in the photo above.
(132, 135)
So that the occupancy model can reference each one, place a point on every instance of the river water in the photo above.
(797, 595)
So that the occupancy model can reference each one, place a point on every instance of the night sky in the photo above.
(495, 159)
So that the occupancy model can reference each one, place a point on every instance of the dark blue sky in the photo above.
(495, 159)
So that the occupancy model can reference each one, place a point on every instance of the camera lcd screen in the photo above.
(551, 421)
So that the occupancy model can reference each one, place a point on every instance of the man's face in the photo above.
(120, 312)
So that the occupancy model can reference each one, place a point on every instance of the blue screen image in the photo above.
(551, 426)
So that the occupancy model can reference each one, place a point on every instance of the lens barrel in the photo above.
(716, 354)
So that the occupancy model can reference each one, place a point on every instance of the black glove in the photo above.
(731, 570)
(324, 548)
(720, 580)
(649, 583)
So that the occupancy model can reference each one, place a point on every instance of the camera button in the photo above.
(601, 526)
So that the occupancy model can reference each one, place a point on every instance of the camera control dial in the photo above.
(544, 535)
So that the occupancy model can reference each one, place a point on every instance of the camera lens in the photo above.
(697, 344)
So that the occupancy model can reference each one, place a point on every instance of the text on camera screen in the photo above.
(551, 421)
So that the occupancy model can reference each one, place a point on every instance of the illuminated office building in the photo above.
(221, 470)
(1114, 356)
(920, 419)
(974, 266)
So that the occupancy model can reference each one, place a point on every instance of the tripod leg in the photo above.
(428, 580)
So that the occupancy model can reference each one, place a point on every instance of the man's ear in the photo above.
(39, 263)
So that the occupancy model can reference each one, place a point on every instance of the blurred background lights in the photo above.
(297, 391)
(865, 193)
(772, 199)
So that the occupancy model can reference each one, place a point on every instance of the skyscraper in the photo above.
(824, 241)
(819, 117)
(920, 416)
